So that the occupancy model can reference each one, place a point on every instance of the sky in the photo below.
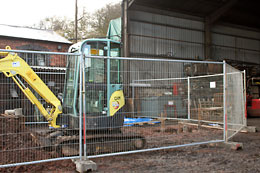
(30, 12)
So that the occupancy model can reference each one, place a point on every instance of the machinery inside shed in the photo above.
(213, 30)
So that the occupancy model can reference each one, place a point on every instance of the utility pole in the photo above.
(76, 21)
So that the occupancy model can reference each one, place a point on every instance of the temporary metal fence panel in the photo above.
(168, 104)
(25, 137)
(235, 101)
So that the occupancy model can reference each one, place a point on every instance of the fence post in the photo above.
(245, 103)
(80, 106)
(188, 97)
(224, 103)
(84, 107)
(133, 99)
(108, 79)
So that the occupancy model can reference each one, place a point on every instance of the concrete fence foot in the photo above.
(228, 145)
(85, 165)
(251, 129)
(234, 145)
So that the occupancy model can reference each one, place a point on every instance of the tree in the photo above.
(65, 27)
(62, 26)
(101, 18)
(84, 25)
(89, 25)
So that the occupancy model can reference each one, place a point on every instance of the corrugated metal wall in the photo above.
(165, 36)
(156, 35)
(236, 44)
(141, 70)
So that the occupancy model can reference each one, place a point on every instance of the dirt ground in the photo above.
(203, 158)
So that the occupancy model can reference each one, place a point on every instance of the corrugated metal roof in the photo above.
(31, 33)
(243, 12)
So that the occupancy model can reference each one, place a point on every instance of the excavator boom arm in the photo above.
(13, 66)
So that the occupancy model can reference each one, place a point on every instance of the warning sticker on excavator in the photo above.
(115, 104)
(117, 101)
(15, 64)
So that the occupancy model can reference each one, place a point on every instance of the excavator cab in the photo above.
(104, 92)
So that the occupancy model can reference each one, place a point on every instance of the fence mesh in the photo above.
(207, 99)
(167, 103)
(24, 132)
(235, 101)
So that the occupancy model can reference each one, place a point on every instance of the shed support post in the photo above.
(125, 41)
(208, 39)
(209, 22)
(125, 28)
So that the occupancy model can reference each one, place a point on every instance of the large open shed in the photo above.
(195, 30)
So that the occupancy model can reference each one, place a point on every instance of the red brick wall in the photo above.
(37, 45)
(15, 43)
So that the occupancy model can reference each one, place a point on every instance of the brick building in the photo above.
(32, 39)
(24, 38)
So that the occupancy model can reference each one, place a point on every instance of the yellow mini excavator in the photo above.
(104, 99)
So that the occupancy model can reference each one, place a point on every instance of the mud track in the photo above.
(201, 158)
